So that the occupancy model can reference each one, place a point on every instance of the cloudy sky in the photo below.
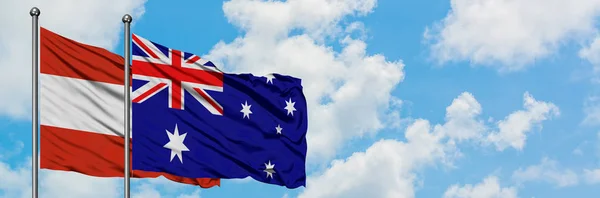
(430, 98)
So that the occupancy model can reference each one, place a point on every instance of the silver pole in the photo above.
(35, 13)
(127, 39)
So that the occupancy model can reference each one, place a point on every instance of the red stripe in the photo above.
(94, 154)
(177, 73)
(62, 56)
(194, 59)
(141, 44)
(176, 84)
(149, 92)
(207, 98)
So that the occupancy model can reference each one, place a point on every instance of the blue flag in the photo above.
(190, 119)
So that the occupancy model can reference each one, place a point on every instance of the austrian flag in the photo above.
(177, 71)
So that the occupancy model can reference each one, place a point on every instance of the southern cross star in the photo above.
(279, 129)
(289, 106)
(176, 144)
(270, 78)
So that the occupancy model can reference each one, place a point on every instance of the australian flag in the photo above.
(190, 119)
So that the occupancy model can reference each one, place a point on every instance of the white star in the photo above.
(176, 144)
(278, 128)
(269, 169)
(246, 110)
(270, 78)
(289, 106)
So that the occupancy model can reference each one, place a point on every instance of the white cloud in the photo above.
(54, 184)
(592, 53)
(591, 176)
(347, 91)
(388, 168)
(488, 188)
(514, 128)
(15, 182)
(547, 171)
(510, 34)
(461, 118)
(276, 18)
(394, 120)
(146, 191)
(383, 170)
(242, 180)
(92, 22)
(162, 187)
(195, 194)
(591, 109)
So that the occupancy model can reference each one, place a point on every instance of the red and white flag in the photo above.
(81, 111)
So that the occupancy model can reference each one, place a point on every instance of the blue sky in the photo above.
(432, 98)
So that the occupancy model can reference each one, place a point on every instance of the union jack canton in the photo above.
(163, 68)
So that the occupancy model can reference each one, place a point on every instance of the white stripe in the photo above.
(154, 49)
(81, 105)
(191, 57)
(200, 66)
(149, 59)
(190, 88)
(150, 84)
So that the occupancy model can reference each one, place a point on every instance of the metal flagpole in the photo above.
(127, 39)
(35, 13)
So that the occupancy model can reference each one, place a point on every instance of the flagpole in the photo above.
(35, 13)
(127, 39)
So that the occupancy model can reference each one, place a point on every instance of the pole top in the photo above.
(127, 18)
(34, 11)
